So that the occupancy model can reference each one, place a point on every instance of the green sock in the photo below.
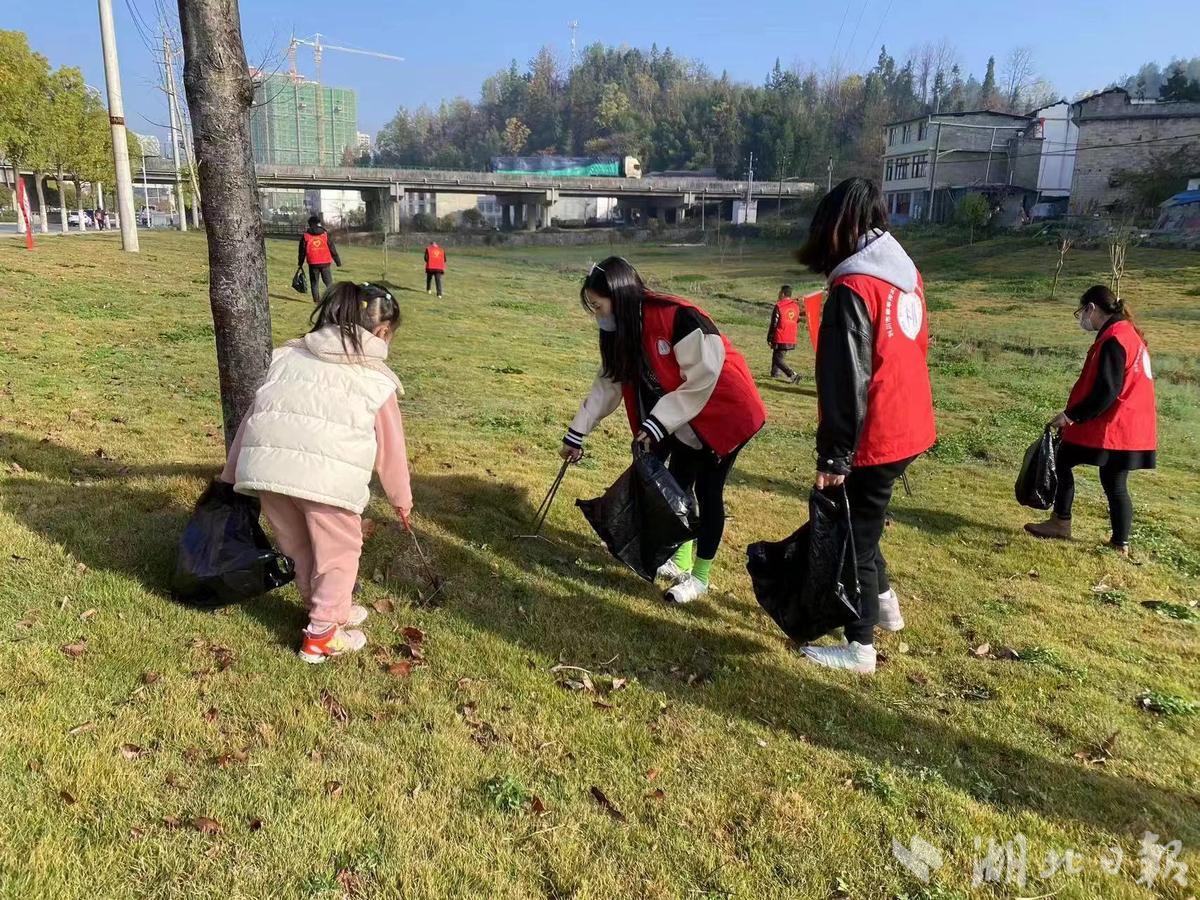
(684, 556)
(701, 569)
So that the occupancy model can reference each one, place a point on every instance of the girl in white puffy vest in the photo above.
(324, 419)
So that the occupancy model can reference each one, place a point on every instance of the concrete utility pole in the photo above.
(116, 117)
(173, 112)
(186, 138)
(829, 176)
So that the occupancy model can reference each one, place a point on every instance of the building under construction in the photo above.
(299, 122)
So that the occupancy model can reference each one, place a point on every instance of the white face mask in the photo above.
(1085, 319)
(606, 323)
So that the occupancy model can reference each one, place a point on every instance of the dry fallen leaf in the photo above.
(653, 774)
(412, 634)
(607, 804)
(657, 794)
(537, 807)
(150, 677)
(600, 704)
(1099, 754)
(34, 765)
(351, 882)
(74, 651)
(82, 729)
(67, 797)
(1005, 653)
(232, 758)
(81, 569)
(255, 824)
(333, 788)
(619, 683)
(981, 651)
(211, 714)
(401, 668)
(265, 733)
(87, 614)
(131, 751)
(333, 706)
(383, 607)
(206, 825)
(760, 742)
(173, 821)
(368, 528)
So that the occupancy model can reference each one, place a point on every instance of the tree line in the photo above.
(674, 113)
(52, 123)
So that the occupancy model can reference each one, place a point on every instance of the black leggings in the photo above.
(1114, 478)
(702, 474)
(869, 490)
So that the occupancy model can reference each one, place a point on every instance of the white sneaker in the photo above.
(358, 615)
(853, 656)
(689, 589)
(670, 571)
(889, 612)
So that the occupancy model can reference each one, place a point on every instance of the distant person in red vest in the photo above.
(873, 393)
(435, 266)
(785, 326)
(1110, 420)
(316, 249)
(688, 394)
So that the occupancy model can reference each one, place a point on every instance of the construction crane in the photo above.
(319, 48)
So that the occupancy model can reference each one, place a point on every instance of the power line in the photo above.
(854, 33)
(887, 9)
(837, 40)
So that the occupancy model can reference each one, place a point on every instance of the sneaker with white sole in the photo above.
(670, 571)
(689, 589)
(358, 615)
(890, 618)
(854, 656)
(318, 646)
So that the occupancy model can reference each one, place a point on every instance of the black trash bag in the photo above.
(1037, 482)
(224, 555)
(299, 283)
(808, 583)
(644, 517)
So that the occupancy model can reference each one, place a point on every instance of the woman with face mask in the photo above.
(1110, 419)
(687, 392)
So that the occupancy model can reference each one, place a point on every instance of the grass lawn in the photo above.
(152, 751)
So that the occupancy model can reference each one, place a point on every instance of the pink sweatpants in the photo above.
(325, 542)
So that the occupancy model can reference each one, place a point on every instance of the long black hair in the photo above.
(620, 350)
(1109, 304)
(854, 208)
(349, 307)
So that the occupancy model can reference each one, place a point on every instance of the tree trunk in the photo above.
(16, 170)
(43, 213)
(219, 93)
(61, 181)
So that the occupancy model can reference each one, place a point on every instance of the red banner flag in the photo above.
(812, 314)
(23, 206)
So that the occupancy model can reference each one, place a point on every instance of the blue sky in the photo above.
(450, 47)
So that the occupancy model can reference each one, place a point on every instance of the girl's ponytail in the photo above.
(1104, 299)
(350, 306)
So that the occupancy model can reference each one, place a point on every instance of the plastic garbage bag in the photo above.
(224, 555)
(299, 283)
(1037, 481)
(644, 517)
(808, 582)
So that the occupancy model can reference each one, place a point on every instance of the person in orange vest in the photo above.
(435, 267)
(874, 400)
(781, 336)
(316, 249)
(1110, 420)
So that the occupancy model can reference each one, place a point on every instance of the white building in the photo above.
(1060, 138)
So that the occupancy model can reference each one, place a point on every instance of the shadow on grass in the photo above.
(571, 621)
(692, 657)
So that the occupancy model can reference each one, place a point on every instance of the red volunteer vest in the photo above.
(789, 322)
(899, 421)
(316, 249)
(734, 413)
(435, 259)
(1131, 422)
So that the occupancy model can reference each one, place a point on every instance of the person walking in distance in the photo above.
(435, 267)
(688, 394)
(781, 336)
(875, 405)
(1110, 420)
(316, 249)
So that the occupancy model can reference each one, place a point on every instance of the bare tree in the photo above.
(1018, 75)
(219, 94)
(1065, 242)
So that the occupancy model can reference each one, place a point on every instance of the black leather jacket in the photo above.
(845, 354)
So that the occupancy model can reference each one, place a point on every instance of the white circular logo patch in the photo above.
(910, 313)
(1146, 364)
(664, 349)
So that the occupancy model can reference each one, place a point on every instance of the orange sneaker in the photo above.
(318, 646)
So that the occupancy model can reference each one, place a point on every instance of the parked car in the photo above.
(73, 219)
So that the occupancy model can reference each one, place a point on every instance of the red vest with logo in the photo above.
(734, 413)
(316, 249)
(899, 421)
(788, 326)
(1131, 422)
(435, 259)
